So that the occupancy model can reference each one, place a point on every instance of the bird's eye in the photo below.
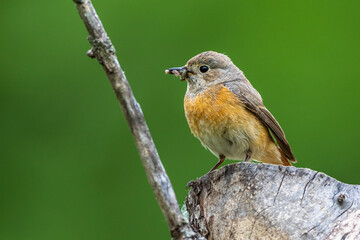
(204, 69)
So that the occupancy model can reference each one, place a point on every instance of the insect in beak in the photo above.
(178, 71)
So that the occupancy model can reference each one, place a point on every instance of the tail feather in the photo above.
(272, 154)
(284, 160)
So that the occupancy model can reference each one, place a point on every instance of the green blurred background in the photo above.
(69, 167)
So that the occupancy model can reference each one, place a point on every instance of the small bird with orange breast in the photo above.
(226, 113)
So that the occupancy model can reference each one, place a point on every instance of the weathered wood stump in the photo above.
(261, 201)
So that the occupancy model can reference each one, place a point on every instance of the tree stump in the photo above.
(261, 201)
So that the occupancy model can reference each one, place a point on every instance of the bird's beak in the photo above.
(177, 71)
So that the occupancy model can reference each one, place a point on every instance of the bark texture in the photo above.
(261, 201)
(103, 50)
(239, 201)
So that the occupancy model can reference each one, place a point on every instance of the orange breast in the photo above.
(214, 109)
(222, 123)
(217, 109)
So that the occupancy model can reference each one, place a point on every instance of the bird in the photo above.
(227, 114)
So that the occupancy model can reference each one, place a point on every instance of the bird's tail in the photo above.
(284, 160)
(274, 155)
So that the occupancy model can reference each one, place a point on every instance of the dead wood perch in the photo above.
(239, 201)
(261, 201)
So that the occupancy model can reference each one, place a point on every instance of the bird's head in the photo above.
(206, 69)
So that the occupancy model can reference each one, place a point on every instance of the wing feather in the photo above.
(253, 102)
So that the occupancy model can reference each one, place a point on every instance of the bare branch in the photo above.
(104, 52)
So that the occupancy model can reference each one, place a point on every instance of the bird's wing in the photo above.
(253, 102)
